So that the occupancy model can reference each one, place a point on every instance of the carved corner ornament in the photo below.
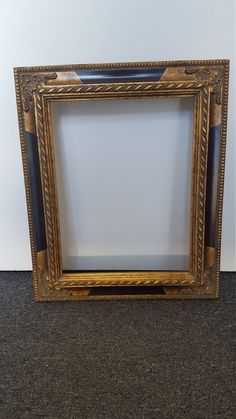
(215, 75)
(29, 84)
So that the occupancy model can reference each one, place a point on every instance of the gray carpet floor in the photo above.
(124, 359)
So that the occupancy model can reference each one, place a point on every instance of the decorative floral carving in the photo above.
(29, 83)
(214, 74)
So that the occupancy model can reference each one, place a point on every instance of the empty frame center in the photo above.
(123, 170)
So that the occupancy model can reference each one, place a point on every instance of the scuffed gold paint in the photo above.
(176, 73)
(42, 261)
(68, 77)
(215, 114)
(171, 290)
(29, 123)
(80, 292)
(210, 253)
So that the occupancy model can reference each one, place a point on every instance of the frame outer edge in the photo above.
(25, 165)
(135, 64)
(220, 193)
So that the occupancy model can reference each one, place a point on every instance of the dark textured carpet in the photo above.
(126, 359)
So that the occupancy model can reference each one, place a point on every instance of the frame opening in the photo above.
(112, 159)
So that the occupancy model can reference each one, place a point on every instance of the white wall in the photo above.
(45, 32)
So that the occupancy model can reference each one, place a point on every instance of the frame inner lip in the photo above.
(195, 93)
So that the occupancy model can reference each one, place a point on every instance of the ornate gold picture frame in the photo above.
(204, 81)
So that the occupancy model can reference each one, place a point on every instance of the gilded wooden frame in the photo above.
(205, 81)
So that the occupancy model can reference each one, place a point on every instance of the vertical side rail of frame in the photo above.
(48, 188)
(215, 177)
(32, 180)
(203, 137)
